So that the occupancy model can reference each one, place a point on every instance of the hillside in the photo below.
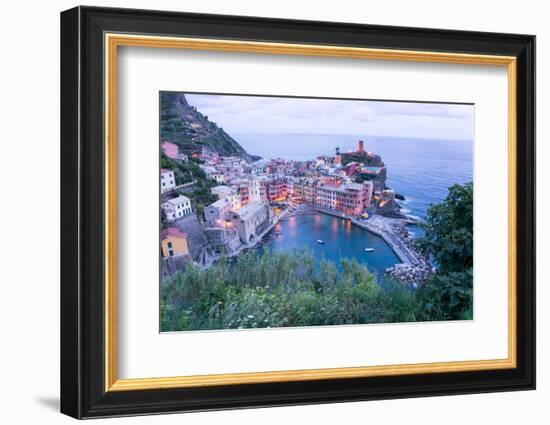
(183, 125)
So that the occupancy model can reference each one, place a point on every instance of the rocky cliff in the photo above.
(185, 126)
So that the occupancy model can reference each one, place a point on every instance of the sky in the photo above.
(253, 114)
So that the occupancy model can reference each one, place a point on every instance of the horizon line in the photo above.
(347, 134)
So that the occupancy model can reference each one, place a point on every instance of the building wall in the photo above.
(369, 188)
(349, 201)
(247, 226)
(220, 178)
(167, 181)
(175, 245)
(254, 191)
(230, 194)
(176, 210)
(216, 214)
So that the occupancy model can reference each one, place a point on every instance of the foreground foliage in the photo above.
(448, 239)
(448, 230)
(285, 289)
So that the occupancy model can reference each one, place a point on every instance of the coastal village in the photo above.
(251, 195)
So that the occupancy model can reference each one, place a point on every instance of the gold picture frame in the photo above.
(114, 41)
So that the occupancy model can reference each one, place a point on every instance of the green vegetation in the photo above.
(447, 296)
(449, 230)
(172, 126)
(448, 239)
(183, 125)
(201, 196)
(361, 178)
(361, 157)
(184, 172)
(280, 289)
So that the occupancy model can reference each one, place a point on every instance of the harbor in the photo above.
(406, 264)
(330, 238)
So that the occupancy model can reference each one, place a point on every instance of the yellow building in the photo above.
(173, 242)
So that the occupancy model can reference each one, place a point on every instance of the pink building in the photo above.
(171, 150)
(351, 168)
(348, 198)
(273, 190)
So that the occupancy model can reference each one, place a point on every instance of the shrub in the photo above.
(280, 290)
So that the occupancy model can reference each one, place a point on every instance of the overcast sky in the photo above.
(250, 114)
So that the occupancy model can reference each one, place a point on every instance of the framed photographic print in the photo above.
(261, 212)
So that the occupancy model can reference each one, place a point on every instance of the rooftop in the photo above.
(220, 203)
(172, 231)
(343, 188)
(250, 209)
(179, 200)
(353, 186)
(222, 190)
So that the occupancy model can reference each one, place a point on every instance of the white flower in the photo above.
(250, 316)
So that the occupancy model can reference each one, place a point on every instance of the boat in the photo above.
(319, 241)
(369, 249)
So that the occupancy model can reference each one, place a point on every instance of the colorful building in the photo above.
(219, 177)
(173, 242)
(249, 190)
(348, 198)
(216, 214)
(167, 180)
(230, 193)
(351, 168)
(310, 191)
(171, 150)
(177, 207)
(369, 190)
(251, 220)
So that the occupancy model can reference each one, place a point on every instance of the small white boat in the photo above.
(369, 249)
(319, 241)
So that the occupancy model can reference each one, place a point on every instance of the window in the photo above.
(169, 245)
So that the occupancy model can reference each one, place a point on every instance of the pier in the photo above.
(382, 227)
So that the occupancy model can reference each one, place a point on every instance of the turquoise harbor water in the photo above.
(341, 240)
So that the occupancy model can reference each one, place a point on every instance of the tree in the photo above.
(447, 297)
(448, 228)
(448, 239)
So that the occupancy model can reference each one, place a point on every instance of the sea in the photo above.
(421, 170)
